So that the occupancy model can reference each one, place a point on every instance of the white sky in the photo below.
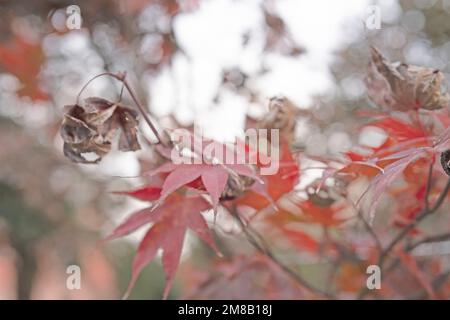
(212, 37)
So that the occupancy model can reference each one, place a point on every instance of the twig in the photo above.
(424, 213)
(263, 248)
(429, 239)
(428, 185)
(437, 283)
(369, 228)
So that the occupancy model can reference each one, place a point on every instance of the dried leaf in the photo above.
(445, 161)
(276, 185)
(91, 129)
(282, 116)
(383, 180)
(403, 87)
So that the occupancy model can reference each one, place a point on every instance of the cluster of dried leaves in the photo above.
(92, 127)
(403, 87)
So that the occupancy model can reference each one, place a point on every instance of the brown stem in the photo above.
(425, 213)
(369, 229)
(121, 77)
(437, 283)
(429, 185)
(258, 242)
(433, 238)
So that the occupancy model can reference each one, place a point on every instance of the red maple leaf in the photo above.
(398, 129)
(301, 239)
(306, 211)
(146, 193)
(392, 160)
(205, 176)
(170, 223)
(412, 266)
(277, 184)
(24, 60)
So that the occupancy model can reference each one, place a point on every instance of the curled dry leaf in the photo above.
(403, 87)
(445, 161)
(90, 129)
(282, 116)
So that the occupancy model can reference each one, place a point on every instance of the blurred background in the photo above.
(213, 62)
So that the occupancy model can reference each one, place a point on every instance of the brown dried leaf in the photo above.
(399, 86)
(90, 129)
(128, 124)
(445, 161)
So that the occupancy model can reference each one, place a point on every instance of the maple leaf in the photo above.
(277, 184)
(398, 129)
(24, 60)
(411, 265)
(307, 211)
(400, 162)
(170, 223)
(325, 215)
(300, 239)
(410, 196)
(244, 277)
(146, 193)
(445, 161)
(405, 146)
(380, 183)
(350, 277)
(403, 87)
(214, 178)
(401, 135)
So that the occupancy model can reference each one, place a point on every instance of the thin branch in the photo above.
(369, 229)
(258, 242)
(437, 283)
(424, 213)
(429, 185)
(430, 239)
